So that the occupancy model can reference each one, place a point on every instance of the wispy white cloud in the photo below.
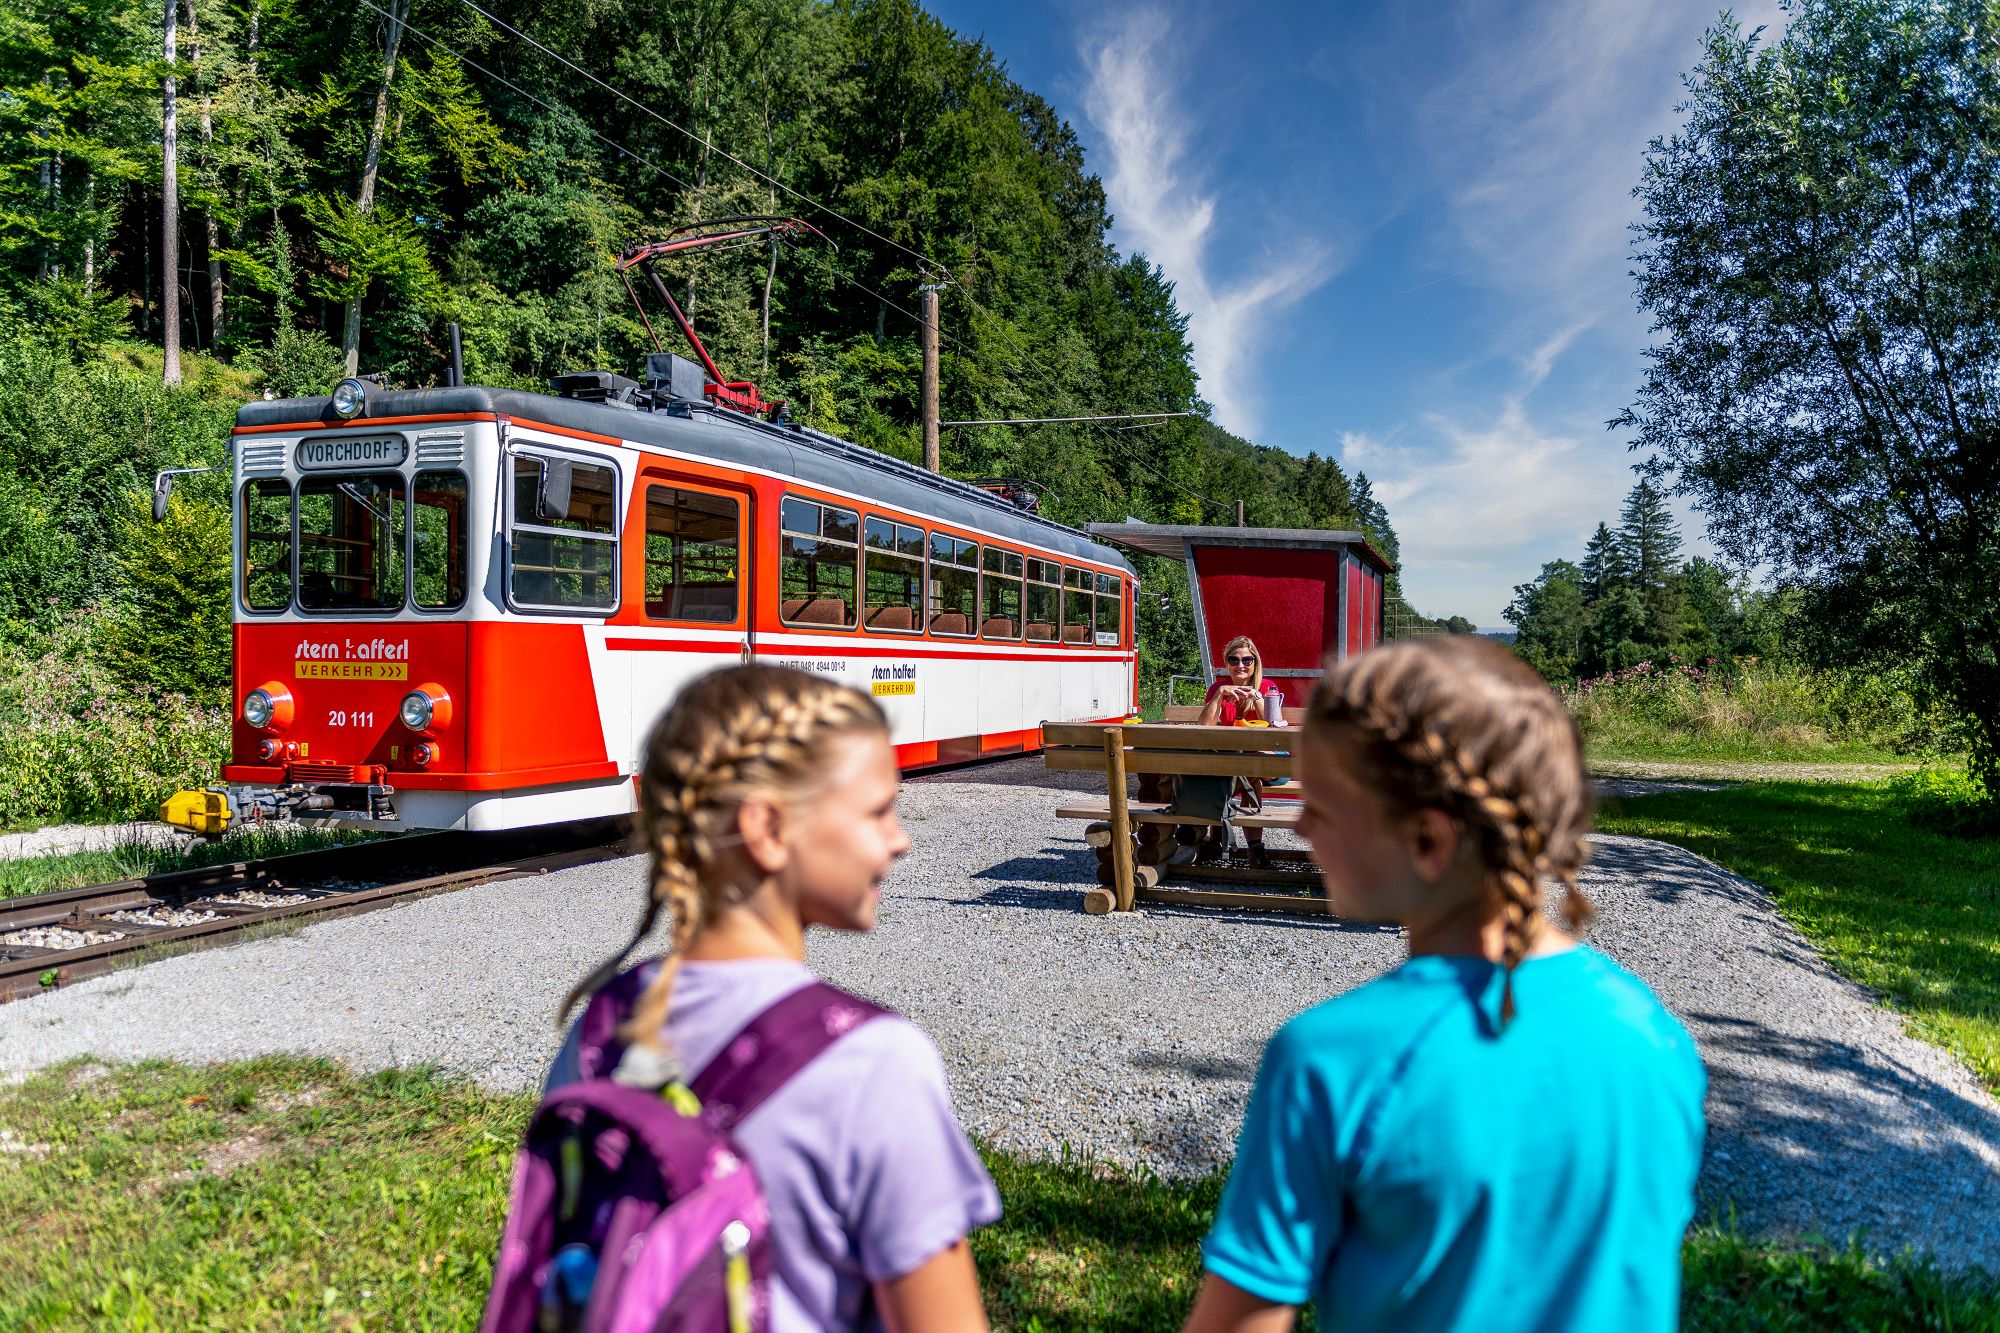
(1538, 129)
(1482, 497)
(1531, 119)
(1161, 207)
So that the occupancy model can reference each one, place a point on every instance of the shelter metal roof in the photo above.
(1172, 540)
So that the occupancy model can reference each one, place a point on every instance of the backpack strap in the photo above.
(597, 1046)
(774, 1046)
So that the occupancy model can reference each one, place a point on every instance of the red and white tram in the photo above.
(463, 607)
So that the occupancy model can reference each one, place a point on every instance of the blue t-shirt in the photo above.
(1407, 1165)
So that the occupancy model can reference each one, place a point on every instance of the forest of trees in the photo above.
(351, 179)
(1631, 598)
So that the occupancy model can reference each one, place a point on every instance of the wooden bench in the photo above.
(1140, 844)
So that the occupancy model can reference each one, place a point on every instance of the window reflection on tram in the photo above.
(357, 542)
(351, 542)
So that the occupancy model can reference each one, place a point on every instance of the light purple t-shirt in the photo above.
(860, 1156)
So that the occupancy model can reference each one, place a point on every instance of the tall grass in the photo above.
(1755, 710)
(135, 858)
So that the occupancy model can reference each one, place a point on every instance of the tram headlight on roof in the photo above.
(349, 397)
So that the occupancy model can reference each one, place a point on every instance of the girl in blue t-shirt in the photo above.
(768, 804)
(1504, 1131)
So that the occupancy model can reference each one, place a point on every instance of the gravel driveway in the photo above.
(1133, 1037)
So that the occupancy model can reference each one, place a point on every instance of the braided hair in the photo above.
(736, 733)
(1460, 724)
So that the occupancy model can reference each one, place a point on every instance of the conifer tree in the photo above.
(1649, 539)
(1604, 568)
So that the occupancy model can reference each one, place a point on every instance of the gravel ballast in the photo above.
(1133, 1037)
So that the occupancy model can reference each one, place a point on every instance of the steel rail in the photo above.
(337, 881)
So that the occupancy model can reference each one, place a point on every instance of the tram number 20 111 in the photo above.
(340, 717)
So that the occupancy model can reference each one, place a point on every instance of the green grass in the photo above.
(1912, 914)
(133, 859)
(286, 1193)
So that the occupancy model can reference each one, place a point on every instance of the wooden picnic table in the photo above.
(1142, 843)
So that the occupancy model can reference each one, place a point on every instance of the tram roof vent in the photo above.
(595, 386)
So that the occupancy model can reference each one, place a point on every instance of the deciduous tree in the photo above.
(1817, 255)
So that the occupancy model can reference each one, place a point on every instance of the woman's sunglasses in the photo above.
(1243, 661)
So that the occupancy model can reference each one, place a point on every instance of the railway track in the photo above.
(48, 940)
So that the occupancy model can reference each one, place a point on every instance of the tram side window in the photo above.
(1000, 595)
(1044, 596)
(1076, 606)
(1107, 610)
(954, 584)
(571, 560)
(818, 546)
(267, 544)
(351, 542)
(437, 540)
(691, 555)
(892, 573)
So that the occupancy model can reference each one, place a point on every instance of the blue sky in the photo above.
(1399, 230)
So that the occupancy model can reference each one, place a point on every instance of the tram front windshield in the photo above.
(353, 535)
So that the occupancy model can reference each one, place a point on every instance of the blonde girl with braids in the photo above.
(767, 802)
(1503, 1132)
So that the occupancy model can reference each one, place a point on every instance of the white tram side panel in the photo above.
(1002, 692)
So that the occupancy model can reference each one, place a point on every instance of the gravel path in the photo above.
(1133, 1037)
(61, 839)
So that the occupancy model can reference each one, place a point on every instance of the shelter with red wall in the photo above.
(1303, 595)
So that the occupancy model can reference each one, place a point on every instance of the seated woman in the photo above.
(1239, 696)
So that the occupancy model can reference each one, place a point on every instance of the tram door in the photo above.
(691, 571)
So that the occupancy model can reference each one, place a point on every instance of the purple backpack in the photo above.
(632, 1211)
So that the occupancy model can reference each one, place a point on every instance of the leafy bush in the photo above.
(71, 314)
(170, 625)
(76, 744)
(77, 442)
(1755, 709)
(300, 363)
(1947, 800)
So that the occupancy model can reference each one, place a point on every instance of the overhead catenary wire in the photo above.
(622, 150)
(702, 140)
(999, 327)
(543, 103)
(922, 258)
(1062, 421)
(1109, 432)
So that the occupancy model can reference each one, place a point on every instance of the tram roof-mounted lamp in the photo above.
(350, 397)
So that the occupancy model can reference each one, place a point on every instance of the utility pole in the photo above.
(170, 237)
(930, 394)
(1239, 513)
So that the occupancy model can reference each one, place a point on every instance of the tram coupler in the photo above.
(210, 811)
(205, 812)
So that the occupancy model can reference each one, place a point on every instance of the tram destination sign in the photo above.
(353, 451)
